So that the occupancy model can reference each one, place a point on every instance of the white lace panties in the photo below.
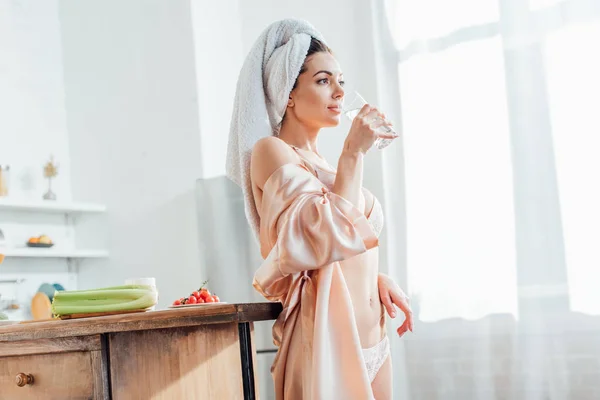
(375, 357)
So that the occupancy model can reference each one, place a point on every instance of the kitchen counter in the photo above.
(193, 352)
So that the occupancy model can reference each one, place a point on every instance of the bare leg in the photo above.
(382, 384)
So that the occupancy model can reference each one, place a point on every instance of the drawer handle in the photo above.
(24, 379)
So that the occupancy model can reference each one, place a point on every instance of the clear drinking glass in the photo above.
(353, 103)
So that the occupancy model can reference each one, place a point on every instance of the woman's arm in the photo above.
(363, 133)
(392, 296)
(349, 178)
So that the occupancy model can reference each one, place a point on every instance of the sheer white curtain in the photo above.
(573, 70)
(500, 171)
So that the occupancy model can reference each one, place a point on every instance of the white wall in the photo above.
(32, 127)
(219, 57)
(133, 129)
(32, 116)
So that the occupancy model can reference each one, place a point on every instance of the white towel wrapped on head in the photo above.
(264, 84)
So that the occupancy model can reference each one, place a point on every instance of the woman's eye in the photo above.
(342, 83)
(324, 80)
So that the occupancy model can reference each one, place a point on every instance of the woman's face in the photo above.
(317, 99)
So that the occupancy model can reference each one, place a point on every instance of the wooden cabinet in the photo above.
(63, 376)
(194, 353)
(61, 368)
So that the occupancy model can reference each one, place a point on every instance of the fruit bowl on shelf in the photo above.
(40, 241)
(42, 245)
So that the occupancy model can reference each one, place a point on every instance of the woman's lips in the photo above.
(335, 109)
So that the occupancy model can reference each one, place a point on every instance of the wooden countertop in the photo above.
(169, 318)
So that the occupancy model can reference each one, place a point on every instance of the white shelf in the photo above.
(27, 252)
(50, 207)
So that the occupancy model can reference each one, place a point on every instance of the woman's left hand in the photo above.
(391, 295)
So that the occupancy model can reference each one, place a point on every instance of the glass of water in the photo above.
(352, 106)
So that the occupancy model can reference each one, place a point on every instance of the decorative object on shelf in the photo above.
(48, 289)
(40, 241)
(40, 245)
(41, 306)
(50, 171)
(4, 180)
(41, 302)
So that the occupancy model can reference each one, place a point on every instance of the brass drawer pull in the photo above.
(24, 379)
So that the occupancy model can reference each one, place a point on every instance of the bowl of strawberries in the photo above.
(200, 297)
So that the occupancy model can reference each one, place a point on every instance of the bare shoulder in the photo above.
(268, 154)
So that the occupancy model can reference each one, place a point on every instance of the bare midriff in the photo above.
(361, 274)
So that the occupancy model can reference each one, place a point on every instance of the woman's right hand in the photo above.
(363, 132)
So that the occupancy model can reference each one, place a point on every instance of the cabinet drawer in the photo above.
(55, 376)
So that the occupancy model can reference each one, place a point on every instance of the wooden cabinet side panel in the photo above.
(177, 363)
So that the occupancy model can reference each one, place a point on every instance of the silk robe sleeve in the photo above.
(304, 227)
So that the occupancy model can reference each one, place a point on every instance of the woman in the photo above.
(317, 226)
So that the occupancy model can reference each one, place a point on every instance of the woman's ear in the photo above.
(290, 102)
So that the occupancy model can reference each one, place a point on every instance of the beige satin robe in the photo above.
(305, 231)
